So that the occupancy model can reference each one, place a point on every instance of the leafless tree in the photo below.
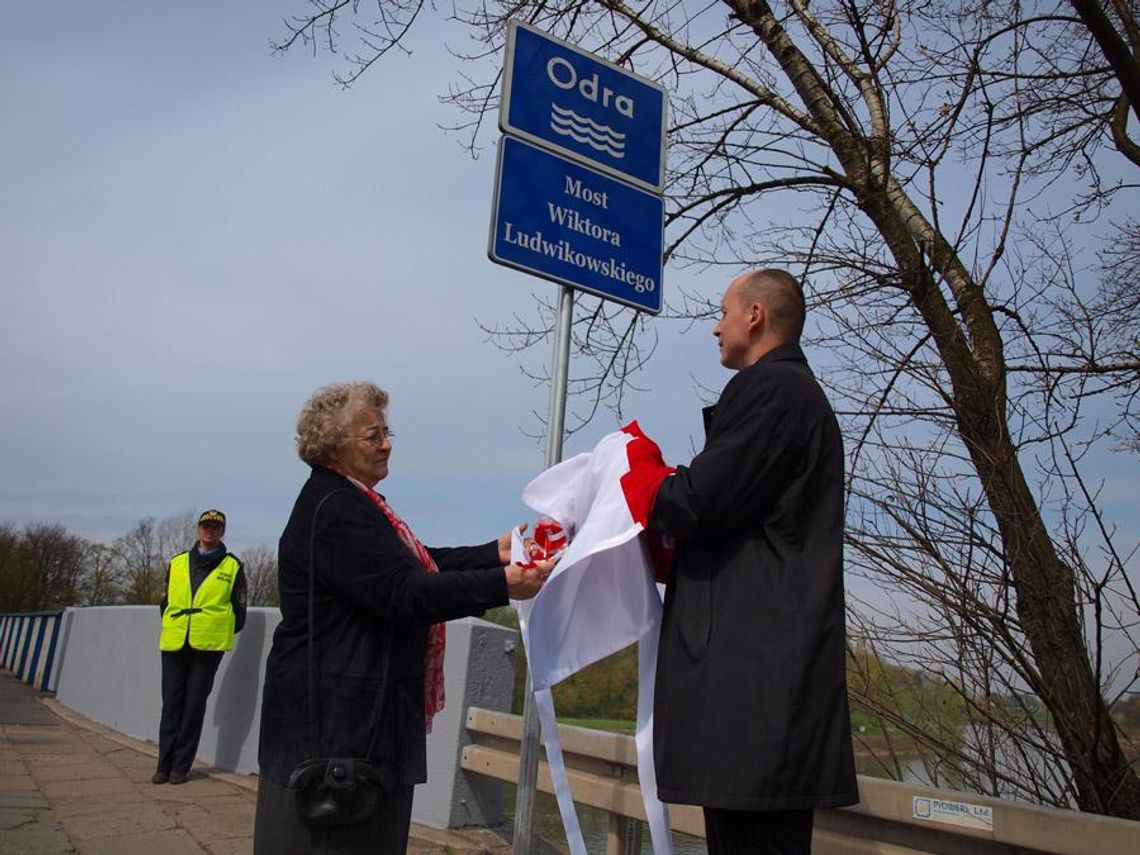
(178, 532)
(58, 558)
(260, 563)
(1116, 31)
(41, 567)
(938, 173)
(145, 551)
(16, 573)
(142, 562)
(101, 584)
(46, 567)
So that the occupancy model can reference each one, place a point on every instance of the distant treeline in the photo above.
(45, 567)
(608, 690)
(604, 690)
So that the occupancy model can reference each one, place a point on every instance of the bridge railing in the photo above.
(891, 818)
(30, 645)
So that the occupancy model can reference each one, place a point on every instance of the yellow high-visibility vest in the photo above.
(207, 623)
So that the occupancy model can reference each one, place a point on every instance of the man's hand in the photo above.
(505, 544)
(525, 582)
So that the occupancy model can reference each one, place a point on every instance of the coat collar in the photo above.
(789, 352)
(324, 475)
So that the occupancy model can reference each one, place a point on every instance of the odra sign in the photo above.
(568, 100)
(563, 75)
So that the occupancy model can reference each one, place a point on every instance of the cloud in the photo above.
(196, 236)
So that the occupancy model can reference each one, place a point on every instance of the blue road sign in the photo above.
(566, 222)
(561, 97)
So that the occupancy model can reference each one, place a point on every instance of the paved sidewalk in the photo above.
(69, 785)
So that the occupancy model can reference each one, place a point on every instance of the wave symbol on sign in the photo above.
(587, 131)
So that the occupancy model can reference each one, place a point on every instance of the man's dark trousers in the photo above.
(746, 832)
(187, 679)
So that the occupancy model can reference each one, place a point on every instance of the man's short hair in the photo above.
(781, 294)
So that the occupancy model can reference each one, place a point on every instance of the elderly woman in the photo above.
(375, 623)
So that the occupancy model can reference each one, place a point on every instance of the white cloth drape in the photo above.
(600, 598)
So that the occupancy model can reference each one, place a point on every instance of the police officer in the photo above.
(204, 606)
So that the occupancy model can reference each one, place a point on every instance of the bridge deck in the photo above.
(68, 785)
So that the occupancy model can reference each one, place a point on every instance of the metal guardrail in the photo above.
(30, 644)
(892, 818)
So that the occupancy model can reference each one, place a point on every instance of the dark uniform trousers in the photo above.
(755, 832)
(187, 679)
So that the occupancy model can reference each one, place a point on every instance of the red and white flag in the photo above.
(601, 596)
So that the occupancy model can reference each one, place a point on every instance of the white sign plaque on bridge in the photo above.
(961, 814)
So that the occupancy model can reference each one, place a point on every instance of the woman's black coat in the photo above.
(751, 703)
(372, 599)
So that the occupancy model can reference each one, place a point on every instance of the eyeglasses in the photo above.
(377, 437)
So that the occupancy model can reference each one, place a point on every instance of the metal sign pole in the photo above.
(555, 423)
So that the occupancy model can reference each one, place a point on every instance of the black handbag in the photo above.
(336, 791)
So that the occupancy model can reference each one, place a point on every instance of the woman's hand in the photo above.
(505, 544)
(524, 582)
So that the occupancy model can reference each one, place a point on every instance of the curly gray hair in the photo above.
(329, 414)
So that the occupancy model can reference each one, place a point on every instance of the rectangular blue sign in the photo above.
(558, 96)
(572, 224)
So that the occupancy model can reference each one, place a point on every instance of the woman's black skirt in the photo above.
(278, 831)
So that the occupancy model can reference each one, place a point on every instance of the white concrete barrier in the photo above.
(109, 672)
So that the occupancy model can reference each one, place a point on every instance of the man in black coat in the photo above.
(751, 719)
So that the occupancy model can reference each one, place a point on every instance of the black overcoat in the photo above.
(751, 702)
(370, 592)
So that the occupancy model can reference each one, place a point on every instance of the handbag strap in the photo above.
(314, 731)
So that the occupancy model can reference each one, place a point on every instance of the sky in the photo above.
(195, 234)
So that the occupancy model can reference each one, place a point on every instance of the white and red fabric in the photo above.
(600, 598)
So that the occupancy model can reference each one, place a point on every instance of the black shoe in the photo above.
(160, 777)
(178, 777)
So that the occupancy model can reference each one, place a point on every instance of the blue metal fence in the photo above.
(29, 646)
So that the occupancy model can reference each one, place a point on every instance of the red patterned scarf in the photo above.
(437, 632)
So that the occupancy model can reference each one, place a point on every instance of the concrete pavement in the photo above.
(69, 785)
